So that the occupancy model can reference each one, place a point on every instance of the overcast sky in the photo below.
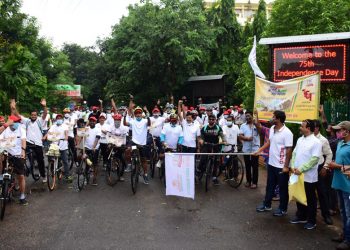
(76, 21)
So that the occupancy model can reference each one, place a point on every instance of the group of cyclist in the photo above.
(182, 129)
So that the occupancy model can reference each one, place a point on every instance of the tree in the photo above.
(156, 48)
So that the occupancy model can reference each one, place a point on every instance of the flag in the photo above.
(252, 61)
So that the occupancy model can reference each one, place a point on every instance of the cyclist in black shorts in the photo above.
(139, 134)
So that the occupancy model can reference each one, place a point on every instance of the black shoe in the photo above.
(279, 213)
(309, 226)
(23, 202)
(145, 179)
(263, 208)
(216, 182)
(328, 220)
(296, 220)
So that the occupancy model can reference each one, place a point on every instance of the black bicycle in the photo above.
(31, 163)
(209, 167)
(8, 184)
(233, 168)
(136, 169)
(154, 156)
(114, 166)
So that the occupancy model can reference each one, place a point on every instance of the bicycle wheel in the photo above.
(51, 175)
(3, 198)
(34, 169)
(81, 175)
(235, 172)
(113, 171)
(208, 173)
(134, 175)
(152, 161)
(59, 171)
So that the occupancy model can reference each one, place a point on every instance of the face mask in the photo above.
(117, 124)
(173, 125)
(225, 116)
(108, 112)
(59, 122)
(66, 116)
(15, 126)
(156, 115)
(138, 119)
(229, 124)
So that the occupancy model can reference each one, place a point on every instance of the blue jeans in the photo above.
(275, 176)
(344, 202)
(64, 158)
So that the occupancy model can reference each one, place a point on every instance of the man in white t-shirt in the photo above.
(172, 134)
(120, 131)
(157, 123)
(139, 127)
(191, 131)
(306, 156)
(70, 120)
(230, 132)
(280, 145)
(35, 131)
(92, 146)
(105, 128)
(58, 134)
(16, 135)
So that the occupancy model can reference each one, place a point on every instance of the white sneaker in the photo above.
(44, 180)
(159, 164)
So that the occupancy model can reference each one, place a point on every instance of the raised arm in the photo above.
(43, 104)
(114, 106)
(179, 111)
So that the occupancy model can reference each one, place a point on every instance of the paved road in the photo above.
(105, 217)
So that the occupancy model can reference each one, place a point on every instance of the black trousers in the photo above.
(104, 152)
(71, 145)
(322, 193)
(251, 163)
(39, 155)
(308, 212)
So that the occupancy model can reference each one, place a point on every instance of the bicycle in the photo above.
(154, 156)
(8, 185)
(209, 165)
(136, 169)
(31, 163)
(114, 166)
(234, 170)
(83, 170)
(54, 168)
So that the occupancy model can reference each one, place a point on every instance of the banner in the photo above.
(214, 105)
(69, 90)
(179, 173)
(299, 98)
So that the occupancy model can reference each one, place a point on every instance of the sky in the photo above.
(76, 21)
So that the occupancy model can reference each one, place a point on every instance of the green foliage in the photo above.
(156, 48)
(28, 64)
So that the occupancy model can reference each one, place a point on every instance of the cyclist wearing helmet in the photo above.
(105, 128)
(139, 127)
(118, 129)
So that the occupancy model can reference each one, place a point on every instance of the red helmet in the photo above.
(117, 117)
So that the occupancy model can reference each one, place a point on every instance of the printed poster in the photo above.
(299, 98)
(179, 172)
